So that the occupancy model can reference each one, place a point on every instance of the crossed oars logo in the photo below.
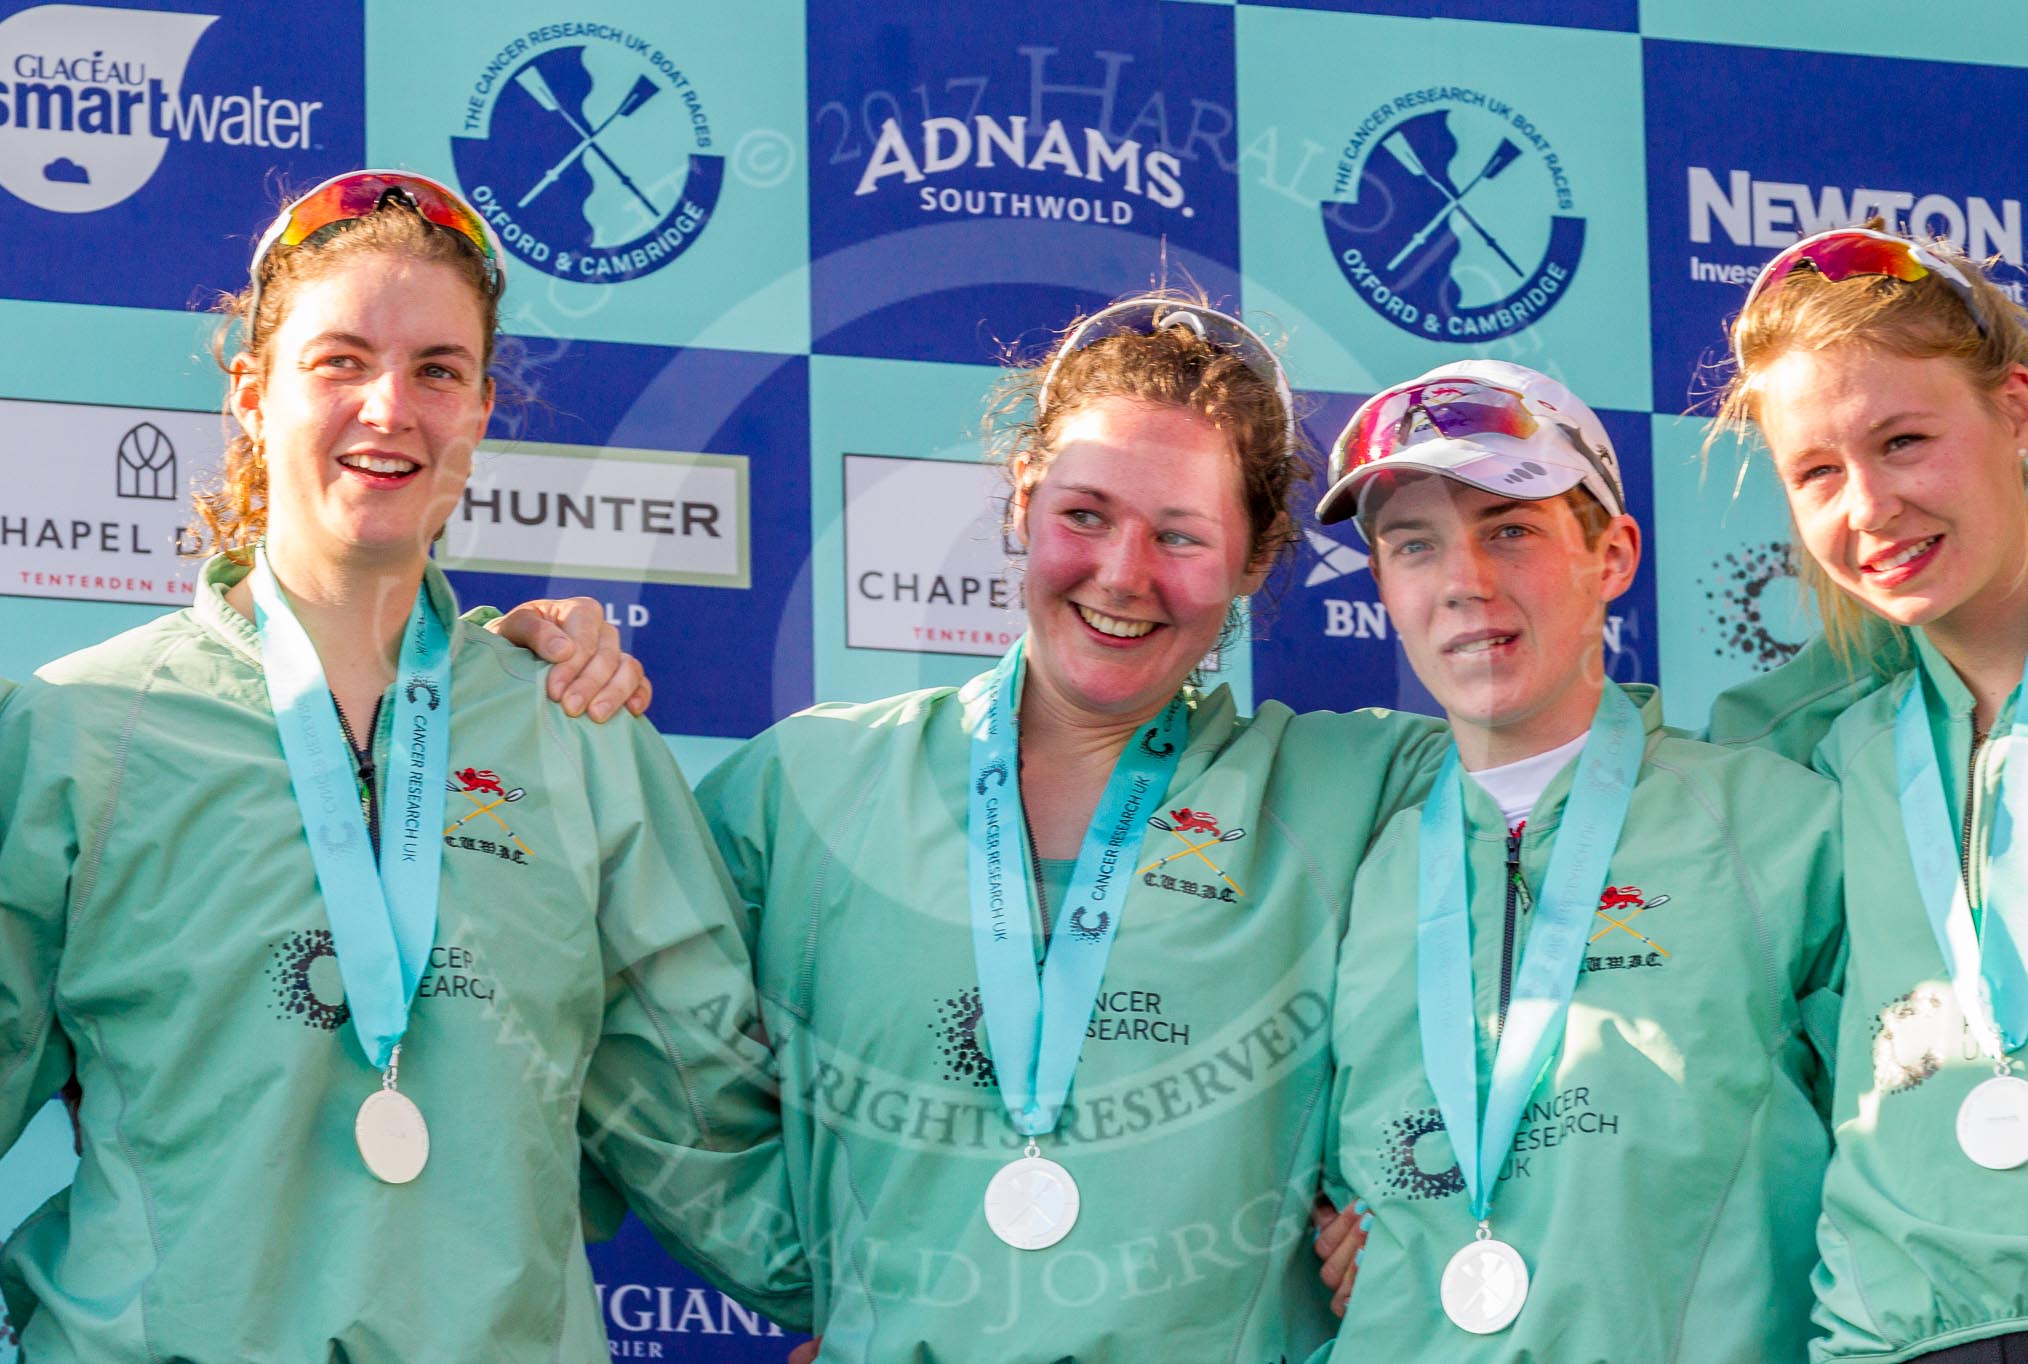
(643, 90)
(1624, 898)
(474, 785)
(1503, 156)
(1194, 822)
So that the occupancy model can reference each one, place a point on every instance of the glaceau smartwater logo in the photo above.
(91, 98)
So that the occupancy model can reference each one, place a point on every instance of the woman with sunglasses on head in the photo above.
(347, 931)
(1889, 381)
(1046, 958)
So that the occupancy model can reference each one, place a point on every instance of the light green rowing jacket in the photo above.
(1197, 1121)
(1922, 1248)
(1663, 1184)
(1789, 709)
(161, 930)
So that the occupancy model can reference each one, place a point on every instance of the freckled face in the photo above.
(1499, 603)
(1138, 542)
(1904, 481)
(372, 403)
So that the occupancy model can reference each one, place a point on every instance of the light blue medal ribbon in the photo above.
(1984, 961)
(1037, 1028)
(383, 918)
(1593, 816)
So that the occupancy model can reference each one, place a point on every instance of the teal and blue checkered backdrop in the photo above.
(764, 257)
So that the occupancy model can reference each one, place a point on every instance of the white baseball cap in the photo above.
(1500, 427)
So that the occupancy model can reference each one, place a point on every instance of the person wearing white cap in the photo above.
(1574, 1077)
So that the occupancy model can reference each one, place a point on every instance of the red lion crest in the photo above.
(1196, 821)
(478, 779)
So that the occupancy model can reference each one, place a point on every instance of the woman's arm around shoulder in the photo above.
(681, 1107)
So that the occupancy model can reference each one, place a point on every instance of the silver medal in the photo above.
(1484, 1286)
(1032, 1202)
(1993, 1123)
(394, 1141)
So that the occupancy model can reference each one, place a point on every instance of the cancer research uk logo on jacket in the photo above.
(590, 151)
(1452, 215)
(92, 98)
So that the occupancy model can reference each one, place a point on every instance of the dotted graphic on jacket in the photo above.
(957, 1032)
(304, 972)
(1404, 1172)
(1739, 599)
(1911, 1036)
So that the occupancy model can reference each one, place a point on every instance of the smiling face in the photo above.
(1500, 606)
(1137, 544)
(1905, 481)
(373, 398)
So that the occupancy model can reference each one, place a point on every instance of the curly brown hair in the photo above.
(1173, 366)
(234, 509)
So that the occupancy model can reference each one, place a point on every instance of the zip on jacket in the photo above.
(363, 770)
(1515, 891)
(1973, 883)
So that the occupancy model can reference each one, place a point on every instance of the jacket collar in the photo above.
(1482, 816)
(223, 623)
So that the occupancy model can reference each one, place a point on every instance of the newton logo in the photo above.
(1453, 218)
(91, 98)
(589, 151)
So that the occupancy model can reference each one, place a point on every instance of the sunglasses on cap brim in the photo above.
(1442, 409)
(1395, 422)
(356, 194)
(1848, 252)
(1149, 316)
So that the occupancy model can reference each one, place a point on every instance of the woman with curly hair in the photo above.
(1047, 958)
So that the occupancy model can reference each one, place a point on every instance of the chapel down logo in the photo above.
(1452, 216)
(144, 465)
(589, 150)
(91, 97)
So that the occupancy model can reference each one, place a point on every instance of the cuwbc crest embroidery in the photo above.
(1197, 872)
(480, 825)
(1618, 908)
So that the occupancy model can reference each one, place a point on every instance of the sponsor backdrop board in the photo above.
(1454, 194)
(642, 163)
(762, 261)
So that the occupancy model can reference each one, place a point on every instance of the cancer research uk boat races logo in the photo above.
(91, 99)
(1452, 215)
(590, 151)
